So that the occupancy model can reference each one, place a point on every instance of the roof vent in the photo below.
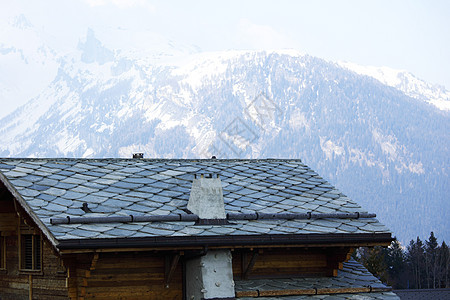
(206, 198)
(138, 155)
(85, 208)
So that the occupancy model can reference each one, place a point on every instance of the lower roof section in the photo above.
(412, 294)
(353, 281)
(231, 241)
(345, 296)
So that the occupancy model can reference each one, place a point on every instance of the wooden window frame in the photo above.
(34, 236)
(34, 266)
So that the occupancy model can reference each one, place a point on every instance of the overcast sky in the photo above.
(409, 35)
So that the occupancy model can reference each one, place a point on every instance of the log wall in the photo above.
(136, 275)
(288, 262)
(48, 283)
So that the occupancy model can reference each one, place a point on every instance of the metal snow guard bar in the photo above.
(195, 218)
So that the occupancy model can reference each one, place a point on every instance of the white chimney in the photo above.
(209, 276)
(206, 198)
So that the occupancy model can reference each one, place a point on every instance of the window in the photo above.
(30, 252)
(2, 252)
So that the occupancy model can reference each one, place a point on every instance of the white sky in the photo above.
(408, 35)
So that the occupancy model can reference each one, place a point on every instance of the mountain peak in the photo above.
(405, 82)
(21, 22)
(93, 50)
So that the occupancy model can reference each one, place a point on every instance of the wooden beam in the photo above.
(290, 292)
(15, 208)
(94, 262)
(19, 241)
(171, 269)
(71, 282)
(335, 259)
(244, 263)
(250, 265)
(309, 246)
(349, 254)
(91, 267)
(87, 275)
(307, 291)
(30, 283)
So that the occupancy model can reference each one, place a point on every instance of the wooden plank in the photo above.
(125, 282)
(290, 292)
(298, 272)
(325, 291)
(242, 294)
(131, 263)
(291, 261)
(118, 276)
(8, 222)
(143, 292)
(138, 271)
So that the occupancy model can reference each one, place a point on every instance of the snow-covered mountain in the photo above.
(380, 141)
(407, 83)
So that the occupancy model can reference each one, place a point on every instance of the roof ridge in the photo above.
(149, 159)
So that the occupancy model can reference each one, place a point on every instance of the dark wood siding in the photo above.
(47, 283)
(123, 275)
(288, 262)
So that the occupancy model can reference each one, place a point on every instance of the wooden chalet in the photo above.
(180, 229)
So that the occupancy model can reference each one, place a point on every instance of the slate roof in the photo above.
(424, 294)
(352, 276)
(57, 188)
(350, 296)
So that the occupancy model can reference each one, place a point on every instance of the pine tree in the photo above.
(431, 262)
(395, 261)
(444, 266)
(416, 258)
